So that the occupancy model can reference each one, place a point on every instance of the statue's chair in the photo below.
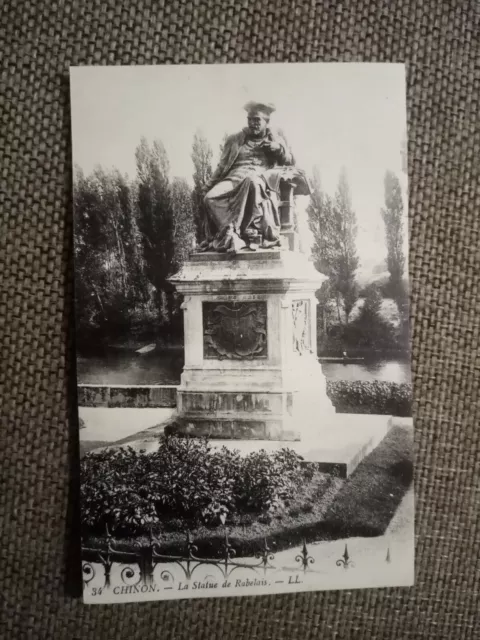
(287, 214)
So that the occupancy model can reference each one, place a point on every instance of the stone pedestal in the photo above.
(251, 368)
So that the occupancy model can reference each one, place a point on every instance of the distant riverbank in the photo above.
(164, 365)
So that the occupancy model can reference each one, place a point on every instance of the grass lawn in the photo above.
(326, 508)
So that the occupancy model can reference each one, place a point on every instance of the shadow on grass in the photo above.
(366, 503)
(363, 506)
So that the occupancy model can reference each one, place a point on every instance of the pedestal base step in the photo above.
(277, 414)
(235, 429)
(337, 449)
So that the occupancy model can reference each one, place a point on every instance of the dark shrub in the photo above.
(114, 490)
(190, 479)
(185, 479)
(387, 398)
(370, 330)
(266, 480)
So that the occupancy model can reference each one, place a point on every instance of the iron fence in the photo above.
(138, 566)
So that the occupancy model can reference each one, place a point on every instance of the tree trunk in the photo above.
(338, 310)
(121, 256)
(97, 295)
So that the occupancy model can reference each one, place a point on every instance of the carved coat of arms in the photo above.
(235, 330)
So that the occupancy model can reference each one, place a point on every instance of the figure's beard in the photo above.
(257, 133)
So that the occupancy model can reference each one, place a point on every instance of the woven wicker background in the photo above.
(39, 563)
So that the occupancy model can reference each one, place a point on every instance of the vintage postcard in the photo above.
(242, 329)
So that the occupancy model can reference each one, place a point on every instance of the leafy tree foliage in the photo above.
(110, 270)
(202, 162)
(346, 228)
(392, 215)
(156, 221)
(333, 225)
(130, 236)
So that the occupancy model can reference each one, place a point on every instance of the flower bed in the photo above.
(386, 398)
(184, 479)
(323, 508)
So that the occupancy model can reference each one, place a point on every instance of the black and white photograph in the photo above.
(242, 329)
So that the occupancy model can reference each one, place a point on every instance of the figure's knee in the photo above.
(254, 183)
(217, 190)
(256, 179)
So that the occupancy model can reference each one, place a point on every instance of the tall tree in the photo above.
(183, 221)
(202, 162)
(345, 227)
(333, 225)
(321, 220)
(326, 247)
(128, 231)
(90, 253)
(109, 267)
(392, 215)
(184, 240)
(126, 252)
(155, 221)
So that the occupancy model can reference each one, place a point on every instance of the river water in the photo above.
(121, 366)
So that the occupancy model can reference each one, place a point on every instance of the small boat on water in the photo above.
(344, 359)
(147, 348)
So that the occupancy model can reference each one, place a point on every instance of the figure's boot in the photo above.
(269, 244)
(253, 239)
(236, 244)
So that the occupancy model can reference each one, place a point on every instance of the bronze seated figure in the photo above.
(250, 195)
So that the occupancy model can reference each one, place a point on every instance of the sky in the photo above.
(334, 115)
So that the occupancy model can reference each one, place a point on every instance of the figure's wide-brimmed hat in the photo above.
(262, 107)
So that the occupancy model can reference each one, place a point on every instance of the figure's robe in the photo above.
(242, 201)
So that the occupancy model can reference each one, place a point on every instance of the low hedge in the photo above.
(387, 398)
(184, 479)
